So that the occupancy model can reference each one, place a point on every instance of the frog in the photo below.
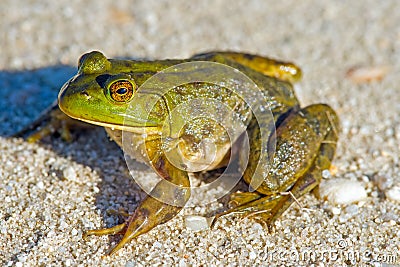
(304, 138)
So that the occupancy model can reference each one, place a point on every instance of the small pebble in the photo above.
(182, 263)
(157, 244)
(40, 185)
(257, 227)
(342, 191)
(393, 193)
(196, 223)
(69, 173)
(367, 74)
(326, 174)
(352, 210)
(336, 211)
(74, 231)
(384, 182)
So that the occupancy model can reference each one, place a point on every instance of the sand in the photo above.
(53, 191)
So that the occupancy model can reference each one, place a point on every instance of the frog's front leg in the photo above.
(306, 144)
(162, 204)
(50, 121)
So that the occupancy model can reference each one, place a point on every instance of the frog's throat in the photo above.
(132, 129)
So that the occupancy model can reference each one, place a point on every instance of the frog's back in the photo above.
(273, 78)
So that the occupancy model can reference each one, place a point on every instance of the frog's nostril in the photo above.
(85, 94)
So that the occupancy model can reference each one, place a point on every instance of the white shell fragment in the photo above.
(69, 173)
(196, 223)
(342, 191)
(393, 193)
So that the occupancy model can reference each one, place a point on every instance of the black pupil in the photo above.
(122, 90)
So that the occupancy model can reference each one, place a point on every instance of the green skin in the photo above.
(305, 137)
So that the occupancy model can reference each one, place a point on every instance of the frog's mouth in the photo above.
(133, 129)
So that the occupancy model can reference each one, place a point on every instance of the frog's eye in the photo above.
(121, 90)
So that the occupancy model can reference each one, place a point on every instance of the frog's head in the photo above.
(104, 92)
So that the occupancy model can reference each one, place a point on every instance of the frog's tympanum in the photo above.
(305, 138)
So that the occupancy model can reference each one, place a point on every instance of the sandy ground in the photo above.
(51, 192)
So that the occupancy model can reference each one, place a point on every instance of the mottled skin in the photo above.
(305, 138)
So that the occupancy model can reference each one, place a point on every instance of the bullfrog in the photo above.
(154, 127)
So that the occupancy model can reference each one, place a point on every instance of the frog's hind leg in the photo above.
(282, 70)
(313, 176)
(269, 207)
(326, 119)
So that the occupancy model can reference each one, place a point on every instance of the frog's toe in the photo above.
(270, 226)
(217, 217)
(240, 198)
(39, 134)
(213, 221)
(38, 130)
(51, 121)
(263, 217)
(49, 129)
(119, 212)
(259, 209)
(118, 229)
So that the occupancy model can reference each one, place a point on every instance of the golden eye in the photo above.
(122, 90)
